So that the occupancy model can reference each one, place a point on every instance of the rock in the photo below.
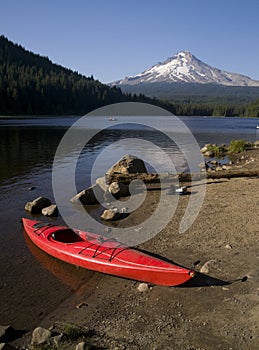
(57, 340)
(36, 206)
(89, 196)
(80, 305)
(204, 148)
(82, 346)
(101, 181)
(213, 162)
(208, 154)
(204, 166)
(6, 333)
(256, 143)
(41, 336)
(110, 214)
(228, 246)
(119, 189)
(205, 267)
(52, 210)
(127, 165)
(143, 287)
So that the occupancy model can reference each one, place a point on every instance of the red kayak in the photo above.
(102, 254)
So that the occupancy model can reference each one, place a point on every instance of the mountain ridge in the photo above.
(184, 67)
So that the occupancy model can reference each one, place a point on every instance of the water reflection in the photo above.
(23, 148)
(67, 274)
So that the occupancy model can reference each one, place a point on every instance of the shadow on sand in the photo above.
(201, 280)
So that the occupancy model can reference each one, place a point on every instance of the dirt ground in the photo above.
(217, 310)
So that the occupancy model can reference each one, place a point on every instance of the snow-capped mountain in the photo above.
(186, 68)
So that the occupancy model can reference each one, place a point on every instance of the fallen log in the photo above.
(232, 173)
(181, 177)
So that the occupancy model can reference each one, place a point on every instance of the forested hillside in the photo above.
(202, 99)
(32, 84)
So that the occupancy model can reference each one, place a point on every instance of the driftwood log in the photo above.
(182, 177)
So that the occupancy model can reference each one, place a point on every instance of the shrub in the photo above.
(237, 146)
(218, 151)
(73, 332)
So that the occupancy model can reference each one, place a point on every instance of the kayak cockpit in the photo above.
(66, 236)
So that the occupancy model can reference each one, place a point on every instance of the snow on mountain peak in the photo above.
(185, 67)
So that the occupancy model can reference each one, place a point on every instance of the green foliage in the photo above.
(32, 84)
(203, 99)
(237, 146)
(217, 151)
(73, 332)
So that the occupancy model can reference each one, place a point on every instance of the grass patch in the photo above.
(73, 332)
(238, 146)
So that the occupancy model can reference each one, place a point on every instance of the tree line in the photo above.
(31, 84)
(217, 109)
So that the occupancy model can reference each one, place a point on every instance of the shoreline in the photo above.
(208, 315)
(218, 309)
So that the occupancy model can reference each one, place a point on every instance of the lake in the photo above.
(32, 284)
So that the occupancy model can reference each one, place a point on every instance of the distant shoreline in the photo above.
(38, 116)
(81, 115)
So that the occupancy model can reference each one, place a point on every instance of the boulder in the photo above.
(51, 210)
(41, 336)
(89, 196)
(128, 165)
(256, 143)
(110, 214)
(119, 189)
(36, 206)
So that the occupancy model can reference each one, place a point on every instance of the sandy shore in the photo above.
(206, 314)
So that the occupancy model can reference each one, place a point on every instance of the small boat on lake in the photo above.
(112, 119)
(103, 254)
(257, 126)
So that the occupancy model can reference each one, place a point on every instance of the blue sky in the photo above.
(115, 38)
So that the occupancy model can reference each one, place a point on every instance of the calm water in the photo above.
(29, 279)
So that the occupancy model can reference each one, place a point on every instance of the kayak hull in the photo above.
(102, 254)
